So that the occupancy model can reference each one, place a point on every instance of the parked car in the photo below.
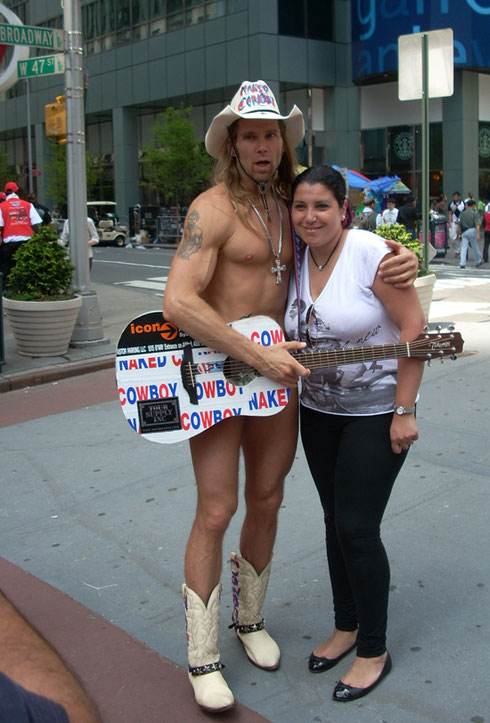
(107, 223)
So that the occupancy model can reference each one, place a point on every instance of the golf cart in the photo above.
(107, 223)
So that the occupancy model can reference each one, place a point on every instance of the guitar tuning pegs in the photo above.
(428, 362)
(453, 357)
(451, 327)
(426, 328)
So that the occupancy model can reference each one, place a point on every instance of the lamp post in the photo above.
(88, 328)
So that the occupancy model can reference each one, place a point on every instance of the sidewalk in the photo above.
(99, 515)
(117, 306)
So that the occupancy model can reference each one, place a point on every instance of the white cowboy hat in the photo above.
(253, 100)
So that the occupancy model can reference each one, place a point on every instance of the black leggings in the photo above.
(354, 469)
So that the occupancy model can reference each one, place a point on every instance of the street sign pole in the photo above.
(88, 328)
(425, 70)
(425, 149)
(29, 138)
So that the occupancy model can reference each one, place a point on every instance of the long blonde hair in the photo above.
(226, 172)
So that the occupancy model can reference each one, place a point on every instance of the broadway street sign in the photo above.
(45, 65)
(31, 35)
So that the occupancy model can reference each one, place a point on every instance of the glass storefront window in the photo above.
(292, 18)
(306, 19)
(157, 8)
(91, 21)
(319, 20)
(174, 5)
(106, 23)
(123, 21)
(139, 11)
(373, 145)
(215, 9)
(194, 16)
(175, 21)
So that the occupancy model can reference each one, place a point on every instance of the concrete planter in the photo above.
(42, 328)
(425, 286)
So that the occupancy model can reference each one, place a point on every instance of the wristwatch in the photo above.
(404, 410)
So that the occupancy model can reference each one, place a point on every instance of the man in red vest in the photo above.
(18, 221)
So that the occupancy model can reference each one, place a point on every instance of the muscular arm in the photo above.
(403, 307)
(206, 230)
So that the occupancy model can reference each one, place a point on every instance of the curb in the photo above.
(44, 375)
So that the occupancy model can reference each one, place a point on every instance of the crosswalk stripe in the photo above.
(459, 283)
(144, 284)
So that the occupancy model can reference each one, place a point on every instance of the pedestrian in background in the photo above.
(92, 237)
(19, 220)
(469, 233)
(389, 216)
(408, 216)
(454, 209)
(440, 205)
(366, 219)
(43, 211)
(486, 225)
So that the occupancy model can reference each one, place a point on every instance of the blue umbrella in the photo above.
(378, 185)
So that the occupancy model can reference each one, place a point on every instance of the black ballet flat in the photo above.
(319, 665)
(345, 693)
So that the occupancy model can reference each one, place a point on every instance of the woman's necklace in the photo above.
(320, 267)
(278, 268)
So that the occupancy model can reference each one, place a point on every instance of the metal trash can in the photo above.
(440, 235)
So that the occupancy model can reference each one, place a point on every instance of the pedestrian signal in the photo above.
(55, 119)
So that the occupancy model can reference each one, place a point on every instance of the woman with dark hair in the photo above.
(357, 421)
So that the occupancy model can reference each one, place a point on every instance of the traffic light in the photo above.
(55, 119)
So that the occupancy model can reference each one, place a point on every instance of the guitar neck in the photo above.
(335, 357)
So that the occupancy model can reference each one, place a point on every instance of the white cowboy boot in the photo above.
(248, 596)
(202, 624)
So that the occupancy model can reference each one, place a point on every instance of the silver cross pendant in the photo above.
(277, 270)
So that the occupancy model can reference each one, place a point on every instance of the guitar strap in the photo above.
(298, 256)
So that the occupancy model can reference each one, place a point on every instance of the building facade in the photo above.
(336, 59)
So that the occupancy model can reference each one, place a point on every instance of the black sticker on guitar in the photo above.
(159, 415)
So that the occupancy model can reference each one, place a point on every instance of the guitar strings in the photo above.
(317, 359)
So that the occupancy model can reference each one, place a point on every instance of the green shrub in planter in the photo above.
(398, 232)
(42, 272)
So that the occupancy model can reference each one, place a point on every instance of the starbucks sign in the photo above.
(403, 145)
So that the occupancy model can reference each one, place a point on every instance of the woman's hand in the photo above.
(403, 432)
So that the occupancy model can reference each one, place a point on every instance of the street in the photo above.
(143, 268)
(457, 293)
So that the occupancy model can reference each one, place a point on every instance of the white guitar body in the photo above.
(172, 387)
(150, 383)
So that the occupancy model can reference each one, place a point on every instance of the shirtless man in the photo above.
(233, 261)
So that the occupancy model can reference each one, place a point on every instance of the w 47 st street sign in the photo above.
(37, 37)
(45, 65)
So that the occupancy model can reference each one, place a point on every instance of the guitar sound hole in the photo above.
(237, 372)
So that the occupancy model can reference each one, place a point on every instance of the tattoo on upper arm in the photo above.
(192, 238)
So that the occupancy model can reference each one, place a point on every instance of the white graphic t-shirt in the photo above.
(347, 314)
